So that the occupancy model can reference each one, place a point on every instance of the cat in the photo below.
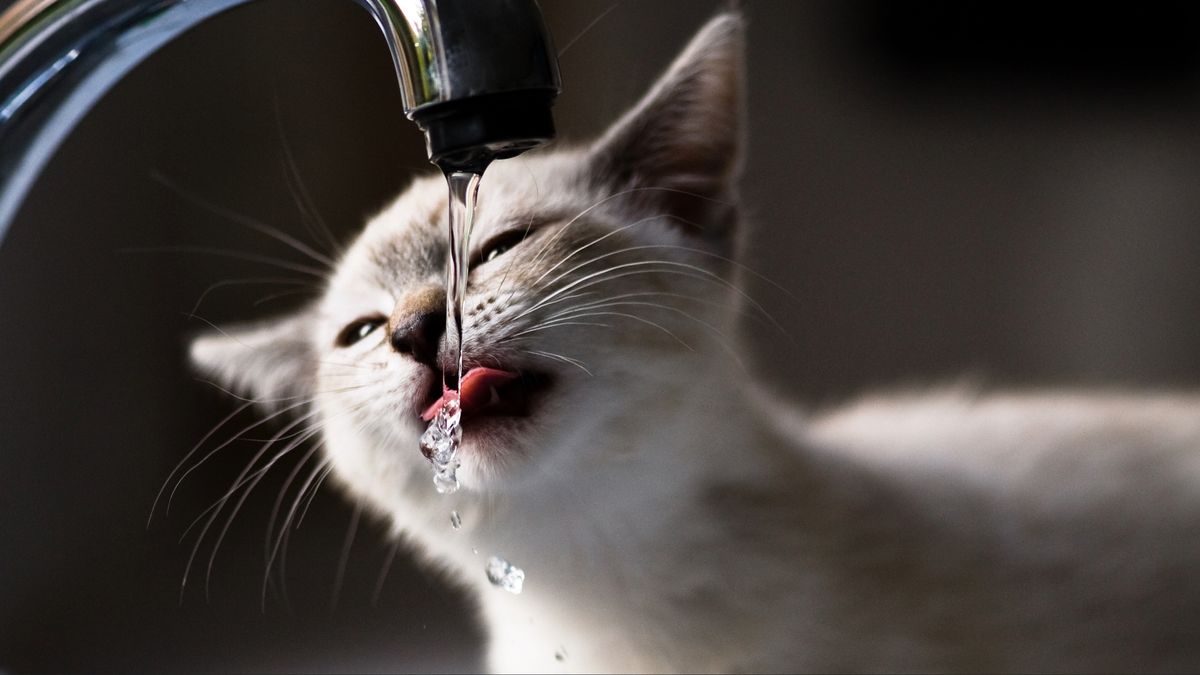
(669, 513)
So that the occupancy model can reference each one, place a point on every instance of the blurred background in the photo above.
(1002, 190)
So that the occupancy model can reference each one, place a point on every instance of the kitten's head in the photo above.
(597, 283)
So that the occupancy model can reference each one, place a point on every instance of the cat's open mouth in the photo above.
(490, 392)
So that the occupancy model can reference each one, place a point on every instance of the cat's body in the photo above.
(949, 531)
(671, 516)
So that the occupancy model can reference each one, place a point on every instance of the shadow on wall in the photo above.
(995, 189)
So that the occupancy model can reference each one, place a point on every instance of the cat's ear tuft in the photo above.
(680, 147)
(271, 363)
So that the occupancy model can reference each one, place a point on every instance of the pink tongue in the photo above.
(475, 390)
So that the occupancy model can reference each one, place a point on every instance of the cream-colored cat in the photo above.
(670, 516)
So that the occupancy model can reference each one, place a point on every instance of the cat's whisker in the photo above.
(268, 551)
(571, 322)
(239, 410)
(610, 197)
(593, 242)
(693, 272)
(251, 482)
(725, 282)
(216, 510)
(582, 283)
(210, 453)
(741, 266)
(311, 495)
(559, 357)
(540, 327)
(242, 499)
(722, 338)
(241, 480)
(388, 560)
(319, 473)
(227, 253)
(604, 302)
(250, 280)
(641, 319)
(246, 221)
(343, 559)
(306, 400)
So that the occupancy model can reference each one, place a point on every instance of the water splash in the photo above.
(506, 575)
(440, 444)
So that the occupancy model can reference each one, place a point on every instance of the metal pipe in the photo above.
(477, 76)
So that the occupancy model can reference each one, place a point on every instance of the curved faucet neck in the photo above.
(477, 76)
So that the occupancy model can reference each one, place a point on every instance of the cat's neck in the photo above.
(600, 530)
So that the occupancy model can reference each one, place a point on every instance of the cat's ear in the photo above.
(271, 362)
(679, 149)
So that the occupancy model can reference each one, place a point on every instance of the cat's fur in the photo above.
(670, 516)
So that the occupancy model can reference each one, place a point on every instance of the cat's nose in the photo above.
(419, 335)
(418, 324)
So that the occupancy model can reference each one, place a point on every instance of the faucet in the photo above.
(478, 77)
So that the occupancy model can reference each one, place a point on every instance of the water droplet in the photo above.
(506, 575)
(455, 520)
(445, 479)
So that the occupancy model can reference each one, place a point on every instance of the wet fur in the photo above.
(671, 516)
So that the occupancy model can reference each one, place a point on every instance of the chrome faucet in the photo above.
(477, 76)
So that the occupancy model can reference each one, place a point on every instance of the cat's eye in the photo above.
(359, 329)
(501, 244)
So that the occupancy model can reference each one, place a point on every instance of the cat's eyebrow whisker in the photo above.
(309, 214)
(559, 357)
(227, 253)
(591, 24)
(509, 266)
(281, 294)
(249, 280)
(246, 221)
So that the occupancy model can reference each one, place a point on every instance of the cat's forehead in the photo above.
(407, 240)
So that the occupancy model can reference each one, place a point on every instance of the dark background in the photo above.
(991, 189)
